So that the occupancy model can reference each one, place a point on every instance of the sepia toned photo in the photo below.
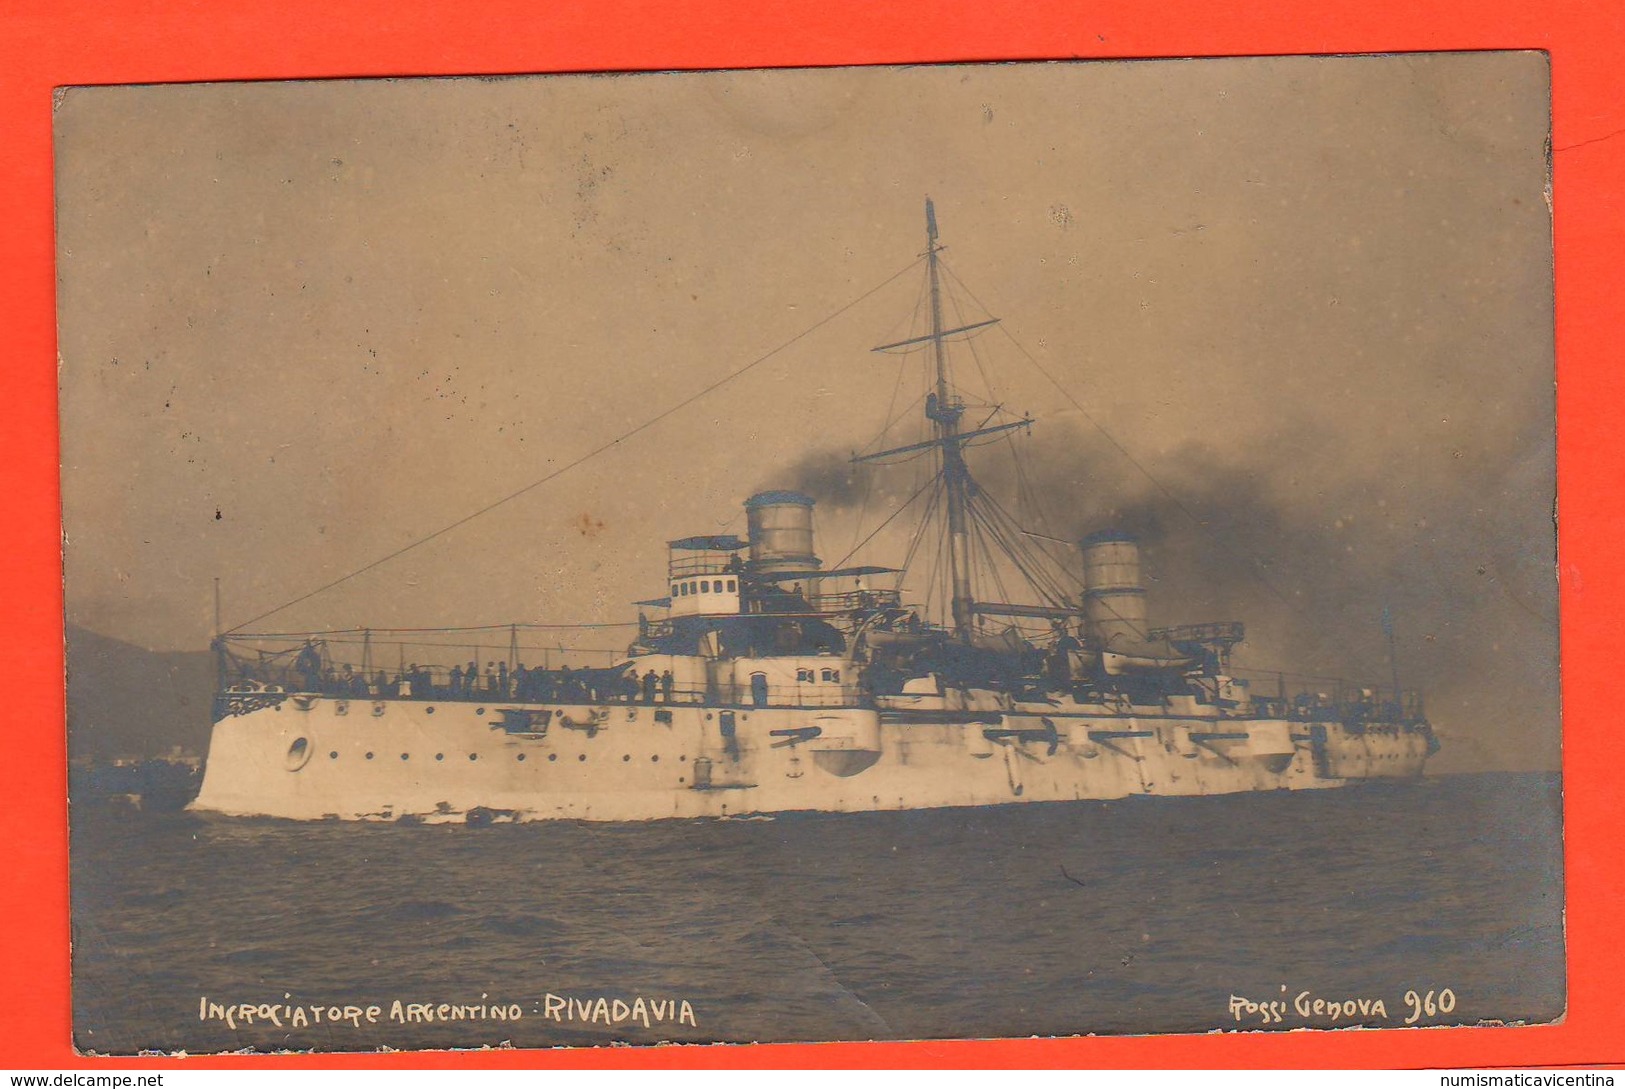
(876, 553)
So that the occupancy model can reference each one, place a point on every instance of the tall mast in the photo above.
(944, 412)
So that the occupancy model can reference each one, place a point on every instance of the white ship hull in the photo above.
(318, 757)
(767, 682)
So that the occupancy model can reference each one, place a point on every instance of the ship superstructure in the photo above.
(762, 681)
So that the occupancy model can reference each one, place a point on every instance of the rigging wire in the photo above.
(1247, 562)
(893, 420)
(943, 574)
(461, 647)
(445, 629)
(976, 356)
(993, 395)
(993, 530)
(584, 458)
(935, 483)
(927, 522)
(980, 536)
(889, 518)
(1017, 543)
(913, 320)
(1027, 496)
(1064, 601)
(986, 510)
(868, 477)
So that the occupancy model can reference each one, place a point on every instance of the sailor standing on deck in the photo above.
(650, 681)
(309, 665)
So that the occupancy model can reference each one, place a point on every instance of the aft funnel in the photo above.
(1114, 608)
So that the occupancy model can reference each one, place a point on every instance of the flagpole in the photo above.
(1393, 659)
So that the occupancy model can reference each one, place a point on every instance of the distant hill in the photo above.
(124, 700)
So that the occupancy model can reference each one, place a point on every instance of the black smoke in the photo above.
(829, 477)
(1307, 546)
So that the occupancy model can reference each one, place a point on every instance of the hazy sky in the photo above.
(304, 324)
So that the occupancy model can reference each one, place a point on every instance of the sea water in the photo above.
(1437, 901)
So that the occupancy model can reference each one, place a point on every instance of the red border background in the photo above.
(118, 41)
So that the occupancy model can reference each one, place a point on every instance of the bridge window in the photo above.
(805, 674)
(733, 586)
(676, 590)
(832, 675)
(705, 586)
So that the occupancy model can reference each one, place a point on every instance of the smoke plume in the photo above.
(1307, 547)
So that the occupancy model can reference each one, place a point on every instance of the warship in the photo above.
(763, 681)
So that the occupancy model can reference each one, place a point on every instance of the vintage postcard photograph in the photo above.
(965, 551)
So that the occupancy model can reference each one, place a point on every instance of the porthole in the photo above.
(682, 759)
(334, 755)
(552, 756)
(680, 779)
(654, 759)
(428, 710)
(479, 710)
(473, 756)
(404, 756)
(582, 758)
(369, 756)
(298, 753)
(520, 758)
(439, 756)
(627, 759)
